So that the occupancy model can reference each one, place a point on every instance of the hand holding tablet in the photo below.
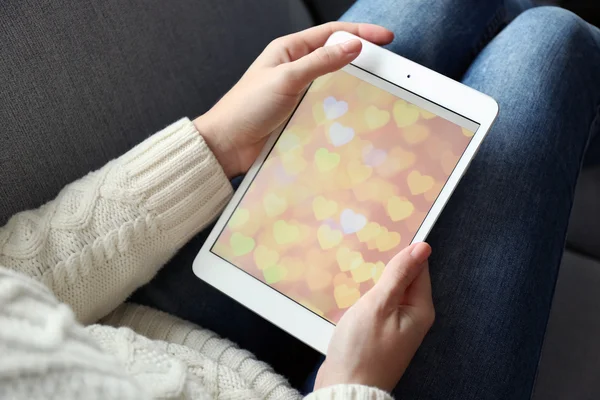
(361, 170)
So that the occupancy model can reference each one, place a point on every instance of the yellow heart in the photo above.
(265, 257)
(221, 248)
(370, 231)
(285, 233)
(427, 114)
(239, 218)
(325, 160)
(274, 205)
(345, 296)
(398, 160)
(387, 241)
(449, 161)
(415, 133)
(311, 307)
(319, 83)
(241, 244)
(399, 208)
(293, 163)
(319, 113)
(467, 132)
(323, 208)
(363, 272)
(348, 259)
(317, 278)
(358, 172)
(376, 118)
(288, 142)
(405, 114)
(418, 183)
(328, 237)
(295, 268)
(377, 270)
(274, 274)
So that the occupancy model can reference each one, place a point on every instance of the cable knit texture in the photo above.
(76, 259)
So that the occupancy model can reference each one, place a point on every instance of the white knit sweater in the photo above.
(75, 260)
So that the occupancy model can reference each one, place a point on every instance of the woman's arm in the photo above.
(109, 232)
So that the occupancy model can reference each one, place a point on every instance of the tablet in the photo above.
(362, 169)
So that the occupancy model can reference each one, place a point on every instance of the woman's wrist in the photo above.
(222, 148)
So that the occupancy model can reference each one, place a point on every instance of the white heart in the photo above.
(333, 108)
(340, 134)
(352, 222)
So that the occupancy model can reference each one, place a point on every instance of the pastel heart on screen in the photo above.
(274, 205)
(345, 296)
(241, 244)
(377, 270)
(340, 134)
(239, 218)
(376, 118)
(274, 274)
(358, 172)
(418, 183)
(363, 272)
(399, 208)
(287, 142)
(326, 160)
(372, 156)
(324, 208)
(387, 240)
(351, 221)
(415, 133)
(334, 108)
(285, 233)
(405, 114)
(320, 82)
(348, 259)
(327, 237)
(370, 231)
(265, 257)
(293, 163)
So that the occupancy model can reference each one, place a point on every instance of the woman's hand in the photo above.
(237, 126)
(378, 336)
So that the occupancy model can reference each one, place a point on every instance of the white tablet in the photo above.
(362, 169)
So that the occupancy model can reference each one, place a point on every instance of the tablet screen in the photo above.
(345, 187)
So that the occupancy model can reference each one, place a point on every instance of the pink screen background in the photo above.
(347, 185)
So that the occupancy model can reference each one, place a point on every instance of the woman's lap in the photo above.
(498, 243)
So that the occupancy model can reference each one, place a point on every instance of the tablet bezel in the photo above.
(284, 312)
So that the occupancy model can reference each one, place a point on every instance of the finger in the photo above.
(320, 62)
(418, 294)
(402, 270)
(301, 43)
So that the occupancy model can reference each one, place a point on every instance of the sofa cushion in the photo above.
(584, 226)
(84, 81)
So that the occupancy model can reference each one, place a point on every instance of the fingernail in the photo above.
(420, 252)
(351, 46)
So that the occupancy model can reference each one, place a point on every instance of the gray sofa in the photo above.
(85, 81)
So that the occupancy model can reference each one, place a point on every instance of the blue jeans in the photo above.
(498, 244)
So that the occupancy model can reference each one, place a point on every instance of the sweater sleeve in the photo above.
(109, 232)
(349, 392)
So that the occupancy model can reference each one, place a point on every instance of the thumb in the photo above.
(322, 61)
(402, 270)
